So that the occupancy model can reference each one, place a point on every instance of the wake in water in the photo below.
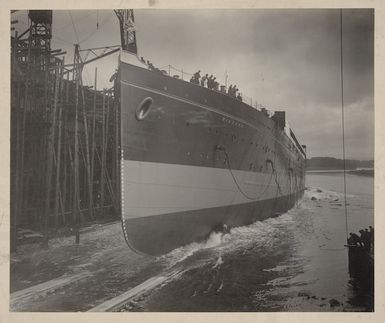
(261, 233)
(293, 262)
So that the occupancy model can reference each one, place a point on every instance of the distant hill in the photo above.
(321, 163)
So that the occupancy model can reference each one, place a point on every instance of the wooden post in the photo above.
(93, 132)
(21, 146)
(102, 166)
(58, 152)
(50, 149)
(106, 137)
(15, 140)
(87, 164)
(75, 207)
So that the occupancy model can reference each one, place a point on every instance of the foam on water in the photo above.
(260, 233)
(182, 253)
(323, 194)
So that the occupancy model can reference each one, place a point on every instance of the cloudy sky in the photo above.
(284, 59)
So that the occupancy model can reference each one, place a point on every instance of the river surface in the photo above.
(294, 262)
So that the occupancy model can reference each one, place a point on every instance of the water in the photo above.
(295, 262)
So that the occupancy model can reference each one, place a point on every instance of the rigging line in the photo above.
(235, 180)
(73, 25)
(343, 124)
(58, 39)
(75, 20)
(97, 29)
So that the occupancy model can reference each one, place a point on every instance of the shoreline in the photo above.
(358, 172)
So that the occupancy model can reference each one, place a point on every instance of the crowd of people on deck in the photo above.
(364, 240)
(206, 81)
(211, 83)
(151, 66)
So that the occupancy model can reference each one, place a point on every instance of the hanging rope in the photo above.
(221, 148)
(343, 125)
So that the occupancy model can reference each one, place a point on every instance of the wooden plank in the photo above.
(26, 294)
(120, 300)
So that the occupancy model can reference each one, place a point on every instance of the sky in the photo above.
(284, 59)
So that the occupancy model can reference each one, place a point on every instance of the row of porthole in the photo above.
(234, 138)
(144, 109)
(206, 156)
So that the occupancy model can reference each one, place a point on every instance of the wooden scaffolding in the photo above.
(65, 138)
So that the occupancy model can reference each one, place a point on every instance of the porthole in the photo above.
(143, 109)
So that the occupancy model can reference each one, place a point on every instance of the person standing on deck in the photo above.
(367, 241)
(210, 82)
(230, 89)
(204, 80)
(354, 240)
(197, 76)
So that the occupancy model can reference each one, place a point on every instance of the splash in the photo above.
(182, 253)
(322, 194)
(264, 234)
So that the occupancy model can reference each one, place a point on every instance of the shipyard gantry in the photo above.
(64, 137)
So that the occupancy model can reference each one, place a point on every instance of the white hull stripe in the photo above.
(159, 188)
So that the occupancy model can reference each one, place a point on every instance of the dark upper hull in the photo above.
(177, 185)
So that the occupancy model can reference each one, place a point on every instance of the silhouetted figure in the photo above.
(230, 89)
(142, 60)
(367, 240)
(239, 97)
(196, 77)
(354, 240)
(215, 84)
(235, 90)
(362, 236)
(210, 82)
(371, 232)
(204, 79)
(150, 66)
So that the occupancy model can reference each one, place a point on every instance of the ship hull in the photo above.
(199, 159)
(162, 233)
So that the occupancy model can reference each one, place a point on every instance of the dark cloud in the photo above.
(284, 59)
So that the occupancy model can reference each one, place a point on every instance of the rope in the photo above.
(73, 25)
(221, 148)
(97, 28)
(343, 126)
(276, 180)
